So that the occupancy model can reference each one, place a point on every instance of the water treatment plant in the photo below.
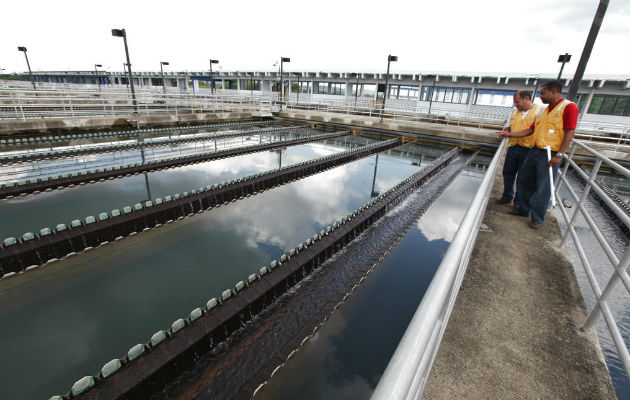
(313, 234)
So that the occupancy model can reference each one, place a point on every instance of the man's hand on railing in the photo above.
(503, 134)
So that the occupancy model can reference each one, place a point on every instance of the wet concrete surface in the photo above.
(515, 331)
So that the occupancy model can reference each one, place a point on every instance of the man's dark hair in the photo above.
(524, 93)
(553, 85)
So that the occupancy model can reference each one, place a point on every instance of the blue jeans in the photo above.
(513, 161)
(533, 185)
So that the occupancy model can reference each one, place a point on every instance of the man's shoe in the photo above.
(503, 201)
(535, 225)
(515, 211)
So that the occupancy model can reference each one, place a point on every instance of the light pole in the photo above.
(123, 34)
(30, 73)
(588, 48)
(390, 58)
(282, 61)
(212, 75)
(124, 72)
(96, 73)
(162, 73)
(563, 58)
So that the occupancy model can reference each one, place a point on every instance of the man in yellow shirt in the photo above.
(521, 117)
(555, 128)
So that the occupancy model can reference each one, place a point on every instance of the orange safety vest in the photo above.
(549, 130)
(519, 123)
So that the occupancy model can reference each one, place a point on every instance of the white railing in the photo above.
(613, 139)
(408, 370)
(57, 100)
(619, 266)
(498, 114)
(27, 104)
(373, 109)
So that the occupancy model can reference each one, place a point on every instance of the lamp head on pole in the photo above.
(118, 32)
(98, 65)
(392, 58)
(285, 59)
(22, 48)
(214, 61)
(564, 58)
(163, 62)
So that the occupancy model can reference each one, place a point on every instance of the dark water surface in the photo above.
(348, 354)
(46, 209)
(68, 319)
(45, 168)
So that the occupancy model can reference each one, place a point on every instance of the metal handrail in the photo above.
(620, 266)
(408, 370)
(615, 142)
(25, 104)
(57, 101)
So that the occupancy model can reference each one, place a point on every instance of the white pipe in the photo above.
(553, 191)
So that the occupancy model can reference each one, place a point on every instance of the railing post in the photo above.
(610, 286)
(566, 168)
(587, 189)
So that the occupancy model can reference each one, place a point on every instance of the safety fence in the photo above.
(28, 104)
(409, 367)
(60, 101)
(168, 351)
(480, 120)
(18, 255)
(619, 265)
(613, 136)
(35, 186)
(79, 150)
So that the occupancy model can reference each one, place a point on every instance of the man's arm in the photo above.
(523, 133)
(569, 119)
(566, 142)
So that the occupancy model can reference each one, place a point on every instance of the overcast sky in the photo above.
(443, 35)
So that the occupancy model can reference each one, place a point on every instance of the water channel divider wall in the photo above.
(49, 246)
(30, 139)
(149, 365)
(23, 188)
(51, 154)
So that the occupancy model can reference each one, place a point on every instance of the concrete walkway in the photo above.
(515, 329)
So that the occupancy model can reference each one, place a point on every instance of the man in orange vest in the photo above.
(521, 117)
(555, 128)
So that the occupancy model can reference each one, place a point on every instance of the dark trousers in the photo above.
(533, 185)
(513, 161)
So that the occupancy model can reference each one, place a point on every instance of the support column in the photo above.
(587, 103)
(265, 85)
(288, 93)
(349, 90)
(472, 97)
